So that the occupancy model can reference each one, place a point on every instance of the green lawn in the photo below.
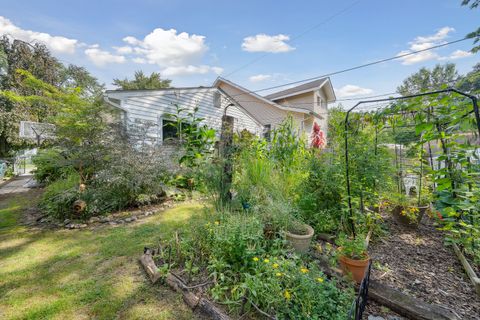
(73, 274)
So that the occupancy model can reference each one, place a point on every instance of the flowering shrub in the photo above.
(290, 289)
(248, 268)
(411, 213)
(318, 137)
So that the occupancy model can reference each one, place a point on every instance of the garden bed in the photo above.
(417, 263)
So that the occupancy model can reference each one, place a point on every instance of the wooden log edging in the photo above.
(395, 300)
(194, 301)
(150, 267)
(406, 305)
(468, 269)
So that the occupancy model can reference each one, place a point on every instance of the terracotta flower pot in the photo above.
(355, 267)
(300, 243)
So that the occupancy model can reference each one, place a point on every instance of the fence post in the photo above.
(226, 145)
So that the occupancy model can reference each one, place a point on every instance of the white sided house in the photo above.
(248, 111)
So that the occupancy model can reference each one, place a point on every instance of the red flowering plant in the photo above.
(318, 137)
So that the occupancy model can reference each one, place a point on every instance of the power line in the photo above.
(297, 36)
(356, 67)
(392, 93)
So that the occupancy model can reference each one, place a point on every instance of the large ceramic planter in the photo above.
(300, 243)
(355, 267)
(405, 220)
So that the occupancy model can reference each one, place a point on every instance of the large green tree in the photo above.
(429, 79)
(141, 82)
(471, 81)
(474, 34)
(36, 59)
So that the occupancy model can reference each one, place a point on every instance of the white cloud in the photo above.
(57, 44)
(441, 34)
(139, 60)
(123, 49)
(259, 77)
(100, 57)
(350, 90)
(425, 42)
(419, 57)
(166, 48)
(190, 70)
(266, 43)
(177, 53)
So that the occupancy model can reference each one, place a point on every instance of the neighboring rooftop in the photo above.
(303, 88)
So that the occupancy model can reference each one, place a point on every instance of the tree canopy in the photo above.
(474, 34)
(39, 63)
(471, 81)
(141, 82)
(429, 79)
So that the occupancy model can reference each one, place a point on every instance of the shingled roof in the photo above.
(309, 86)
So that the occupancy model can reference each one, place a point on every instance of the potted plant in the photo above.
(353, 256)
(299, 235)
(409, 211)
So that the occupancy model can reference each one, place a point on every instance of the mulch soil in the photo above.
(417, 262)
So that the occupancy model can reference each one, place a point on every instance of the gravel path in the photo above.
(419, 264)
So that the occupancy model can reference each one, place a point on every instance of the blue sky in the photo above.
(191, 42)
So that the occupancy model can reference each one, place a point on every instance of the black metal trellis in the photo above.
(347, 170)
(360, 302)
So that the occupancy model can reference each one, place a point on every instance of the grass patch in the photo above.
(84, 274)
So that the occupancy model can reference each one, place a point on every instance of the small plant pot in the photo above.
(300, 242)
(355, 267)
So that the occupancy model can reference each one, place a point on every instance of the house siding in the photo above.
(304, 101)
(308, 101)
(263, 111)
(152, 108)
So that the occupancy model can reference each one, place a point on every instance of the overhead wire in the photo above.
(400, 56)
(303, 33)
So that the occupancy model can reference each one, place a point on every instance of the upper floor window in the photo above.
(217, 99)
(319, 101)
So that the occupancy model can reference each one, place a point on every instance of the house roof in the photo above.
(304, 88)
(253, 94)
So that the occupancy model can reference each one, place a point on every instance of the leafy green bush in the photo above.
(232, 248)
(291, 289)
(323, 192)
(353, 248)
(59, 196)
(51, 165)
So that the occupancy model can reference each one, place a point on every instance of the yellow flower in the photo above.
(207, 224)
(287, 295)
(255, 259)
(279, 274)
(275, 265)
(266, 261)
(217, 223)
(304, 270)
(320, 280)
